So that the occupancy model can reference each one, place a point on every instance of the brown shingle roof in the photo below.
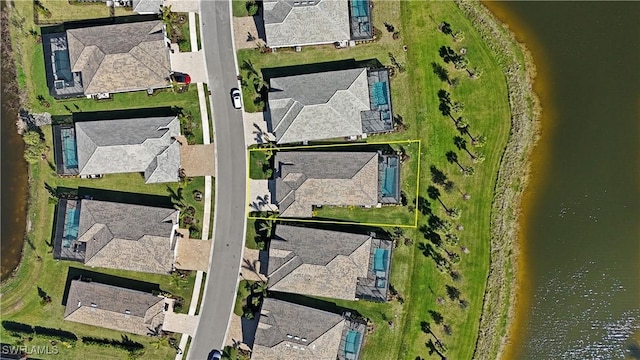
(122, 57)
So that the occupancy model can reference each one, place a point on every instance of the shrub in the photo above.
(252, 8)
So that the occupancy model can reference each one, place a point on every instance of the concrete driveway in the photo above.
(260, 196)
(192, 254)
(255, 128)
(180, 323)
(183, 5)
(191, 63)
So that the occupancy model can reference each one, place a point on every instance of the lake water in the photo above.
(580, 270)
(14, 175)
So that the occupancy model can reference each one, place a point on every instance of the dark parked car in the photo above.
(181, 78)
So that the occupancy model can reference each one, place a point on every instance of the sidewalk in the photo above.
(206, 139)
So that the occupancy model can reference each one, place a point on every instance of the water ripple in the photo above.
(580, 316)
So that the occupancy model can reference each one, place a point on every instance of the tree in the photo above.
(252, 8)
(177, 197)
(436, 316)
(457, 107)
(259, 83)
(461, 144)
(249, 67)
(447, 54)
(452, 158)
(476, 73)
(445, 27)
(434, 193)
(468, 171)
(444, 96)
(437, 176)
(167, 16)
(462, 124)
(449, 186)
(458, 36)
(454, 213)
(441, 72)
(479, 141)
(460, 62)
(34, 147)
(451, 238)
(453, 292)
(479, 158)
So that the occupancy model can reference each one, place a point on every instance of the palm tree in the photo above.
(449, 186)
(451, 238)
(461, 63)
(167, 16)
(249, 67)
(441, 72)
(162, 341)
(479, 141)
(454, 213)
(457, 107)
(452, 158)
(468, 171)
(478, 158)
(437, 176)
(444, 96)
(177, 198)
(445, 27)
(461, 144)
(259, 83)
(434, 194)
(477, 73)
(462, 124)
(458, 36)
(426, 328)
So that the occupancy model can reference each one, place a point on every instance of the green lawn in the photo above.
(239, 8)
(259, 166)
(414, 95)
(20, 300)
(67, 11)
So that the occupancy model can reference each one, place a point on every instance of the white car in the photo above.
(215, 355)
(235, 99)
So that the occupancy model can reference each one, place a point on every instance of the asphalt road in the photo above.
(230, 217)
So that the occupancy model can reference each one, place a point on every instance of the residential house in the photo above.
(106, 59)
(291, 331)
(304, 179)
(333, 104)
(328, 263)
(114, 308)
(290, 23)
(145, 145)
(116, 235)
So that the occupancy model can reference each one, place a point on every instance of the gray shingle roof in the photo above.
(316, 22)
(286, 318)
(113, 307)
(125, 236)
(122, 57)
(130, 145)
(318, 106)
(303, 179)
(317, 262)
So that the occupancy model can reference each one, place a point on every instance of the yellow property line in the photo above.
(332, 222)
(335, 145)
(415, 222)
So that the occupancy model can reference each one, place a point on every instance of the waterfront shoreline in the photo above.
(10, 85)
(502, 282)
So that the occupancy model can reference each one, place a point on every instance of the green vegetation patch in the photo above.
(440, 272)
